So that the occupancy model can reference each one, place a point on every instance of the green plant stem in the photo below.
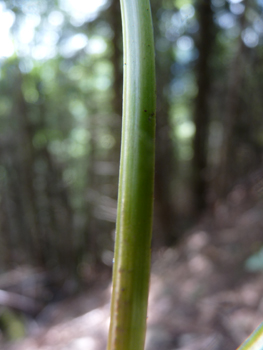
(254, 341)
(135, 199)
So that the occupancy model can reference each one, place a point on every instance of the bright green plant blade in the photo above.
(135, 199)
(254, 341)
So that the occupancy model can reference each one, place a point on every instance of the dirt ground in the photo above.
(202, 296)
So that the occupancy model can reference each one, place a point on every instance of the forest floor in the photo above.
(201, 295)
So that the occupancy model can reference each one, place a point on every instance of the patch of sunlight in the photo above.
(185, 43)
(43, 52)
(226, 20)
(93, 318)
(7, 19)
(181, 3)
(102, 83)
(71, 45)
(25, 65)
(178, 87)
(84, 343)
(237, 9)
(187, 11)
(96, 46)
(235, 1)
(184, 56)
(27, 28)
(56, 18)
(81, 11)
(250, 37)
(185, 130)
(80, 135)
(27, 37)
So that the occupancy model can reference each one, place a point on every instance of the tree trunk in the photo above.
(204, 45)
(226, 173)
(165, 219)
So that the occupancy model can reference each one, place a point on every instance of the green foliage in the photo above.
(12, 324)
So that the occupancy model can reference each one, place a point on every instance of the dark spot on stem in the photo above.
(145, 110)
(150, 116)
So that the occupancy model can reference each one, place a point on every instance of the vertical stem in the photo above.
(135, 201)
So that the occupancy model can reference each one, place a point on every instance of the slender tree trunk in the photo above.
(227, 156)
(165, 232)
(114, 15)
(165, 218)
(116, 57)
(94, 227)
(26, 158)
(204, 45)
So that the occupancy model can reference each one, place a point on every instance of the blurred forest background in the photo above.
(60, 122)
